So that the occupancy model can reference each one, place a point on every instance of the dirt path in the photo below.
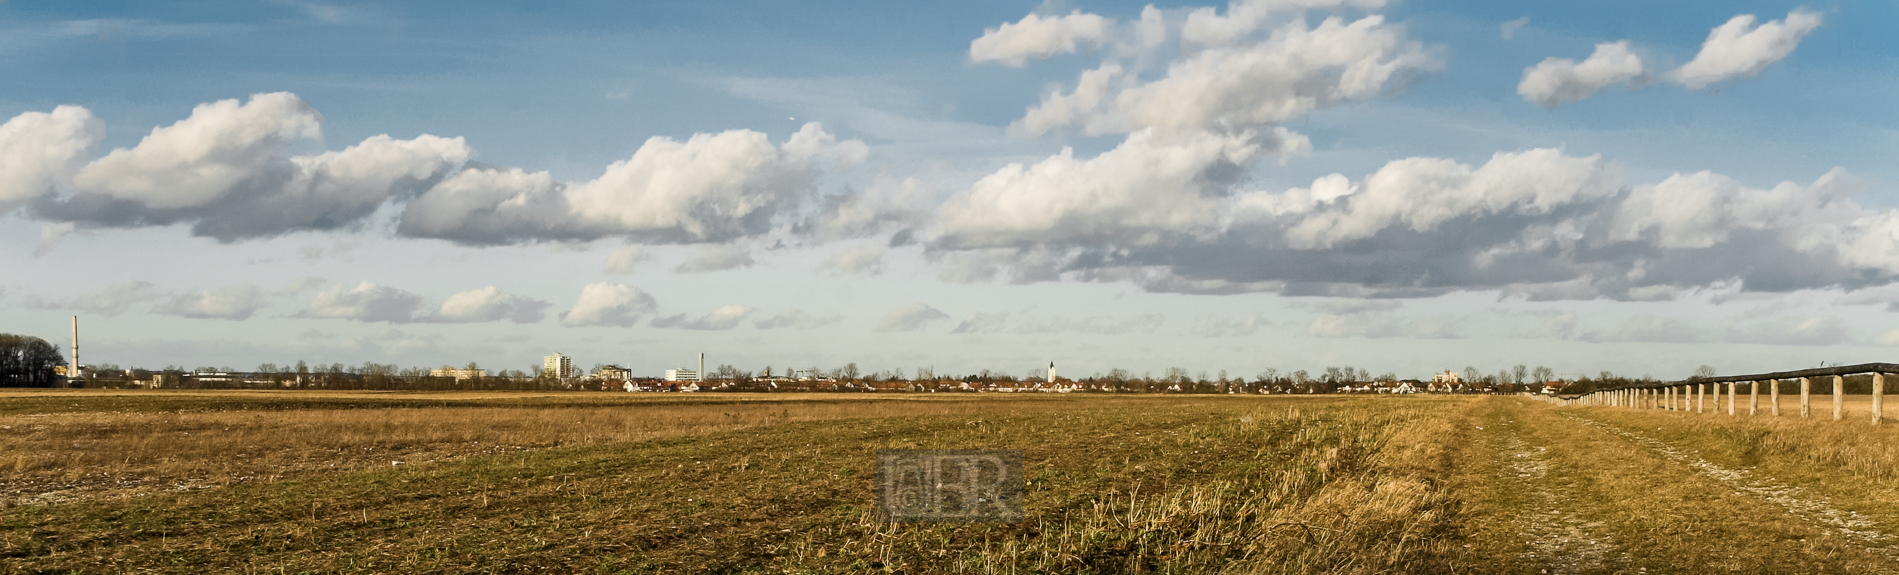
(1552, 490)
(1800, 503)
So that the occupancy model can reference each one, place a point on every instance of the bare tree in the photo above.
(1471, 374)
(1705, 372)
(1543, 374)
(1519, 374)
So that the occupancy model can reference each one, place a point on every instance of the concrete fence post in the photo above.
(1774, 390)
(1839, 397)
(1879, 396)
(1806, 397)
(1753, 398)
(1701, 397)
(1668, 396)
(1730, 398)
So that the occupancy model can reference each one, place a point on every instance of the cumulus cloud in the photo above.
(1424, 193)
(1741, 49)
(862, 214)
(232, 303)
(622, 259)
(1538, 224)
(366, 302)
(718, 258)
(709, 188)
(1248, 85)
(489, 304)
(609, 304)
(796, 319)
(110, 300)
(861, 259)
(227, 170)
(40, 149)
(724, 318)
(1205, 25)
(1559, 81)
(1137, 193)
(50, 235)
(911, 317)
(1035, 37)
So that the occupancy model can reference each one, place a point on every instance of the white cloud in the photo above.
(232, 303)
(796, 319)
(1509, 29)
(1242, 17)
(1738, 48)
(714, 258)
(489, 304)
(1422, 193)
(710, 188)
(1559, 81)
(39, 149)
(366, 302)
(911, 317)
(724, 318)
(225, 169)
(50, 234)
(611, 304)
(622, 259)
(198, 159)
(1143, 323)
(1135, 193)
(110, 300)
(1248, 86)
(1036, 37)
(861, 259)
(1703, 209)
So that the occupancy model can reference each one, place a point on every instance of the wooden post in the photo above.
(1775, 391)
(1879, 396)
(1753, 398)
(1806, 397)
(1839, 397)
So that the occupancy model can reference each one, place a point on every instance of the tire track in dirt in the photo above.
(1795, 501)
(1560, 541)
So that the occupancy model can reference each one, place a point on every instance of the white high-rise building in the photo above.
(682, 374)
(557, 365)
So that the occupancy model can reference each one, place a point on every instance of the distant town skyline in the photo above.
(1293, 184)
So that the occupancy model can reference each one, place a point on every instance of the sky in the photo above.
(1398, 186)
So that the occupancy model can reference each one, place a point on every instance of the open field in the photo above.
(611, 483)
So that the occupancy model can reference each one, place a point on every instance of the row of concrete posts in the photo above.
(1693, 397)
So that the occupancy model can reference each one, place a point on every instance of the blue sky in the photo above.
(794, 185)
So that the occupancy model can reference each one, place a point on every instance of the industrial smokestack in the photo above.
(74, 372)
(702, 366)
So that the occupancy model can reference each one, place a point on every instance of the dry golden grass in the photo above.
(78, 454)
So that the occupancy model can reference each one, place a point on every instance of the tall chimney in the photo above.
(702, 366)
(74, 371)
